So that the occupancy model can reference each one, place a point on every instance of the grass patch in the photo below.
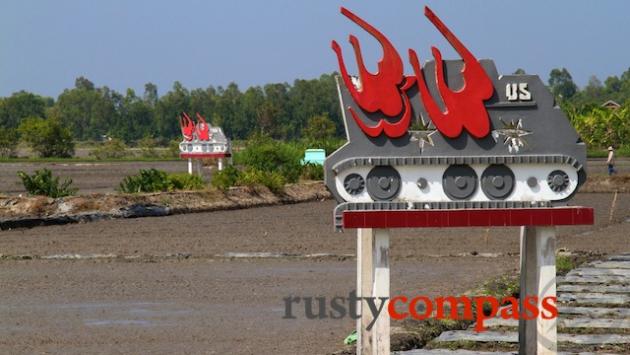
(564, 264)
(624, 331)
(599, 348)
(474, 345)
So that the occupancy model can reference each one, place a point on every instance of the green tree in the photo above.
(88, 111)
(229, 111)
(168, 108)
(519, 71)
(47, 137)
(274, 115)
(561, 84)
(319, 127)
(135, 118)
(8, 142)
(151, 94)
(20, 105)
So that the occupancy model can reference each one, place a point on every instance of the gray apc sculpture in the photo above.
(532, 158)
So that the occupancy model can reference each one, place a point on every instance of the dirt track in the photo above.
(163, 285)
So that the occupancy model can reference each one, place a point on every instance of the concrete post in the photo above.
(373, 281)
(538, 278)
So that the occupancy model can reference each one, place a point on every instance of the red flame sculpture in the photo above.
(203, 131)
(190, 130)
(187, 126)
(464, 107)
(386, 91)
(383, 91)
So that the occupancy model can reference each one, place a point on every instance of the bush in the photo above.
(147, 147)
(264, 154)
(225, 178)
(600, 127)
(254, 177)
(49, 138)
(185, 181)
(147, 180)
(43, 183)
(8, 142)
(111, 149)
(153, 180)
(312, 172)
(172, 150)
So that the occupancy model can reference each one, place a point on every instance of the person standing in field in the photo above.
(611, 160)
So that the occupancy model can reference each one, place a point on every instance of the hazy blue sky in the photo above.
(45, 45)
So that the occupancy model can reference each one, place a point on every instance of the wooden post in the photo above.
(373, 281)
(538, 278)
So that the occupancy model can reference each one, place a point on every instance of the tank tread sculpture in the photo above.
(455, 134)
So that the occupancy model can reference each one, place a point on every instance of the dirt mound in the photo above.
(31, 211)
(602, 183)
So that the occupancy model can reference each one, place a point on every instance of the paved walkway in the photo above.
(594, 316)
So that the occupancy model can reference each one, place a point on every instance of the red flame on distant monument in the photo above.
(203, 131)
(382, 91)
(464, 108)
(188, 126)
(191, 131)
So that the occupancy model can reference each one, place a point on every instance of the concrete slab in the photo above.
(599, 272)
(512, 337)
(594, 288)
(594, 298)
(592, 279)
(603, 323)
(611, 264)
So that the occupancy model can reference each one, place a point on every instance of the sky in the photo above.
(45, 45)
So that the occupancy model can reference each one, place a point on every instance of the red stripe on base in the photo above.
(557, 216)
(204, 155)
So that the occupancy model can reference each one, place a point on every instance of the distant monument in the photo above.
(202, 141)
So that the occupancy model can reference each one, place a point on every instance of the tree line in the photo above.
(279, 110)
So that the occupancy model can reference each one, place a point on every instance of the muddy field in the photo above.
(179, 284)
(87, 177)
(105, 177)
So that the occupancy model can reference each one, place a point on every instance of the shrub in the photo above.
(147, 180)
(225, 178)
(49, 138)
(273, 180)
(600, 127)
(264, 154)
(8, 142)
(153, 180)
(319, 127)
(313, 172)
(172, 150)
(43, 183)
(185, 181)
(147, 147)
(111, 149)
